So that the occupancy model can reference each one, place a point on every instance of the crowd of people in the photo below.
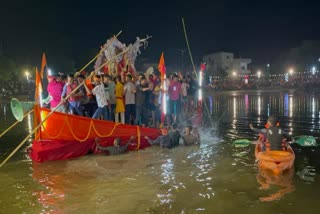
(134, 100)
(128, 99)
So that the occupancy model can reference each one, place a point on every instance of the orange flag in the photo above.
(38, 89)
(161, 66)
(36, 109)
(43, 64)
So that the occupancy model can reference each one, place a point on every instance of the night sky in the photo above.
(260, 31)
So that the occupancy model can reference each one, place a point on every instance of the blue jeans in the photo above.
(101, 111)
(111, 111)
(130, 113)
(74, 108)
(139, 115)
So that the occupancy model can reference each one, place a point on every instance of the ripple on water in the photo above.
(308, 174)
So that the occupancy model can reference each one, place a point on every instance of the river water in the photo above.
(213, 178)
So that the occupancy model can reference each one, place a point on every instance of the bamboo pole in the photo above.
(94, 58)
(8, 129)
(194, 67)
(53, 110)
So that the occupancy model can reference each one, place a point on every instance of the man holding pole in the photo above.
(102, 99)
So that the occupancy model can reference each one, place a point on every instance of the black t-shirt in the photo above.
(274, 137)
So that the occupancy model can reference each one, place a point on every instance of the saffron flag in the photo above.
(37, 99)
(43, 64)
(161, 66)
(38, 90)
(162, 69)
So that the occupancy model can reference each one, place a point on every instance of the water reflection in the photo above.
(246, 101)
(295, 111)
(52, 194)
(215, 178)
(168, 177)
(308, 173)
(283, 181)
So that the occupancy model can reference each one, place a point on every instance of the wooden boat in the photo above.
(276, 161)
(64, 136)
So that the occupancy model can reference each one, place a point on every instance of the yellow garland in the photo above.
(74, 136)
(99, 135)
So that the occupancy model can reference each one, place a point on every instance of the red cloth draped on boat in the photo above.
(66, 136)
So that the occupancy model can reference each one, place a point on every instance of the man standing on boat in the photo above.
(174, 94)
(102, 99)
(129, 91)
(55, 89)
(74, 99)
(141, 89)
(112, 96)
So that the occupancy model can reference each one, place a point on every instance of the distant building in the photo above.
(223, 64)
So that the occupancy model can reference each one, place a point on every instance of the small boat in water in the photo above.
(276, 161)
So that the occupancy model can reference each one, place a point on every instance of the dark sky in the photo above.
(256, 30)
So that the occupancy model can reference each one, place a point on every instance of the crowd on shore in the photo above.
(299, 82)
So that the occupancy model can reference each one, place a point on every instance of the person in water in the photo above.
(116, 149)
(272, 136)
(174, 135)
(191, 137)
(164, 141)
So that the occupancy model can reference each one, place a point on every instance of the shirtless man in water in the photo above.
(190, 138)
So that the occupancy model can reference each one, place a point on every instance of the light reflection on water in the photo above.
(212, 178)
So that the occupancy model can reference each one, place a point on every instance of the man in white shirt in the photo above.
(111, 89)
(130, 98)
(102, 99)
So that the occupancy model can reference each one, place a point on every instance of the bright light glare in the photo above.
(164, 97)
(291, 71)
(200, 84)
(27, 74)
(259, 74)
(49, 72)
(234, 73)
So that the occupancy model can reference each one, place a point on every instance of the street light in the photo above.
(27, 74)
(234, 73)
(259, 74)
(313, 70)
(291, 71)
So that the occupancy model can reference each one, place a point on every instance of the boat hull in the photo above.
(276, 161)
(64, 136)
